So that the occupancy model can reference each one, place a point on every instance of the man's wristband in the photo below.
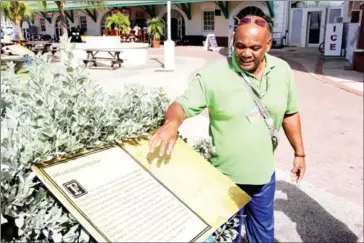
(299, 155)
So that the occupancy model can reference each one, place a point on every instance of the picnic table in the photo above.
(40, 46)
(113, 52)
(4, 44)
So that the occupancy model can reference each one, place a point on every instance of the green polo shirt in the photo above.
(241, 138)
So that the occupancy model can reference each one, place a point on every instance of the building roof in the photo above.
(72, 5)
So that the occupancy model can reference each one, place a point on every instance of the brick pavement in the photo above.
(334, 71)
(350, 81)
(332, 121)
(332, 124)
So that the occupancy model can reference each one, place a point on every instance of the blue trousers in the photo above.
(259, 220)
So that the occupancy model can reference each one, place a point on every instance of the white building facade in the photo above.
(302, 25)
(308, 21)
(353, 16)
(190, 19)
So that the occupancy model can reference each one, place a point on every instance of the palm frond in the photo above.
(155, 27)
(42, 4)
(16, 9)
(96, 4)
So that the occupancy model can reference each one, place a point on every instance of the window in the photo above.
(355, 16)
(83, 23)
(42, 25)
(209, 20)
(333, 14)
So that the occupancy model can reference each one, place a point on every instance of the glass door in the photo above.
(314, 28)
(180, 27)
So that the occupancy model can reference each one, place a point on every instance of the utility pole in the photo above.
(169, 53)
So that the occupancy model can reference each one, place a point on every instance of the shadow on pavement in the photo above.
(223, 51)
(244, 240)
(314, 223)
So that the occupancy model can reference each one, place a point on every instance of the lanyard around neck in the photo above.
(257, 100)
(250, 83)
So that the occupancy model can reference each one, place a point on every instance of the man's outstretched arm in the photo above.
(292, 128)
(191, 103)
(166, 135)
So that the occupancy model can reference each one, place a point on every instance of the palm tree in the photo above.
(16, 11)
(61, 5)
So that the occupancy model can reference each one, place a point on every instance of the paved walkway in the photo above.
(333, 71)
(327, 206)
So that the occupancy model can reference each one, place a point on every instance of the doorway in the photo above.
(174, 29)
(58, 28)
(314, 20)
(177, 29)
(177, 26)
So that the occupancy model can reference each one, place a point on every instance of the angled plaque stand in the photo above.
(211, 43)
(124, 194)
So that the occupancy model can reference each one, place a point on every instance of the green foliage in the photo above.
(51, 114)
(227, 232)
(17, 67)
(15, 10)
(100, 5)
(120, 21)
(155, 27)
(205, 148)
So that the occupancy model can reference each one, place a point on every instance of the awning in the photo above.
(73, 5)
(270, 5)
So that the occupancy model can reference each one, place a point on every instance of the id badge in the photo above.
(253, 115)
(270, 122)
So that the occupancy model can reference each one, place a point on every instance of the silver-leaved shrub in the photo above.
(50, 114)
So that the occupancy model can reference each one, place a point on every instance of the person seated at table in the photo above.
(136, 32)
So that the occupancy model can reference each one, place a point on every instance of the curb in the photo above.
(319, 70)
(319, 75)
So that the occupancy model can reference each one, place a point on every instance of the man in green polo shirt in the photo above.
(241, 136)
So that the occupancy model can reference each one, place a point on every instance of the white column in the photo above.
(169, 21)
(169, 55)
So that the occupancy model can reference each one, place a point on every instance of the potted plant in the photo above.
(120, 22)
(155, 28)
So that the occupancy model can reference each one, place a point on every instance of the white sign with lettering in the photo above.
(211, 43)
(126, 194)
(333, 39)
(117, 200)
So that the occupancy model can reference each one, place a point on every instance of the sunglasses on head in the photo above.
(247, 20)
